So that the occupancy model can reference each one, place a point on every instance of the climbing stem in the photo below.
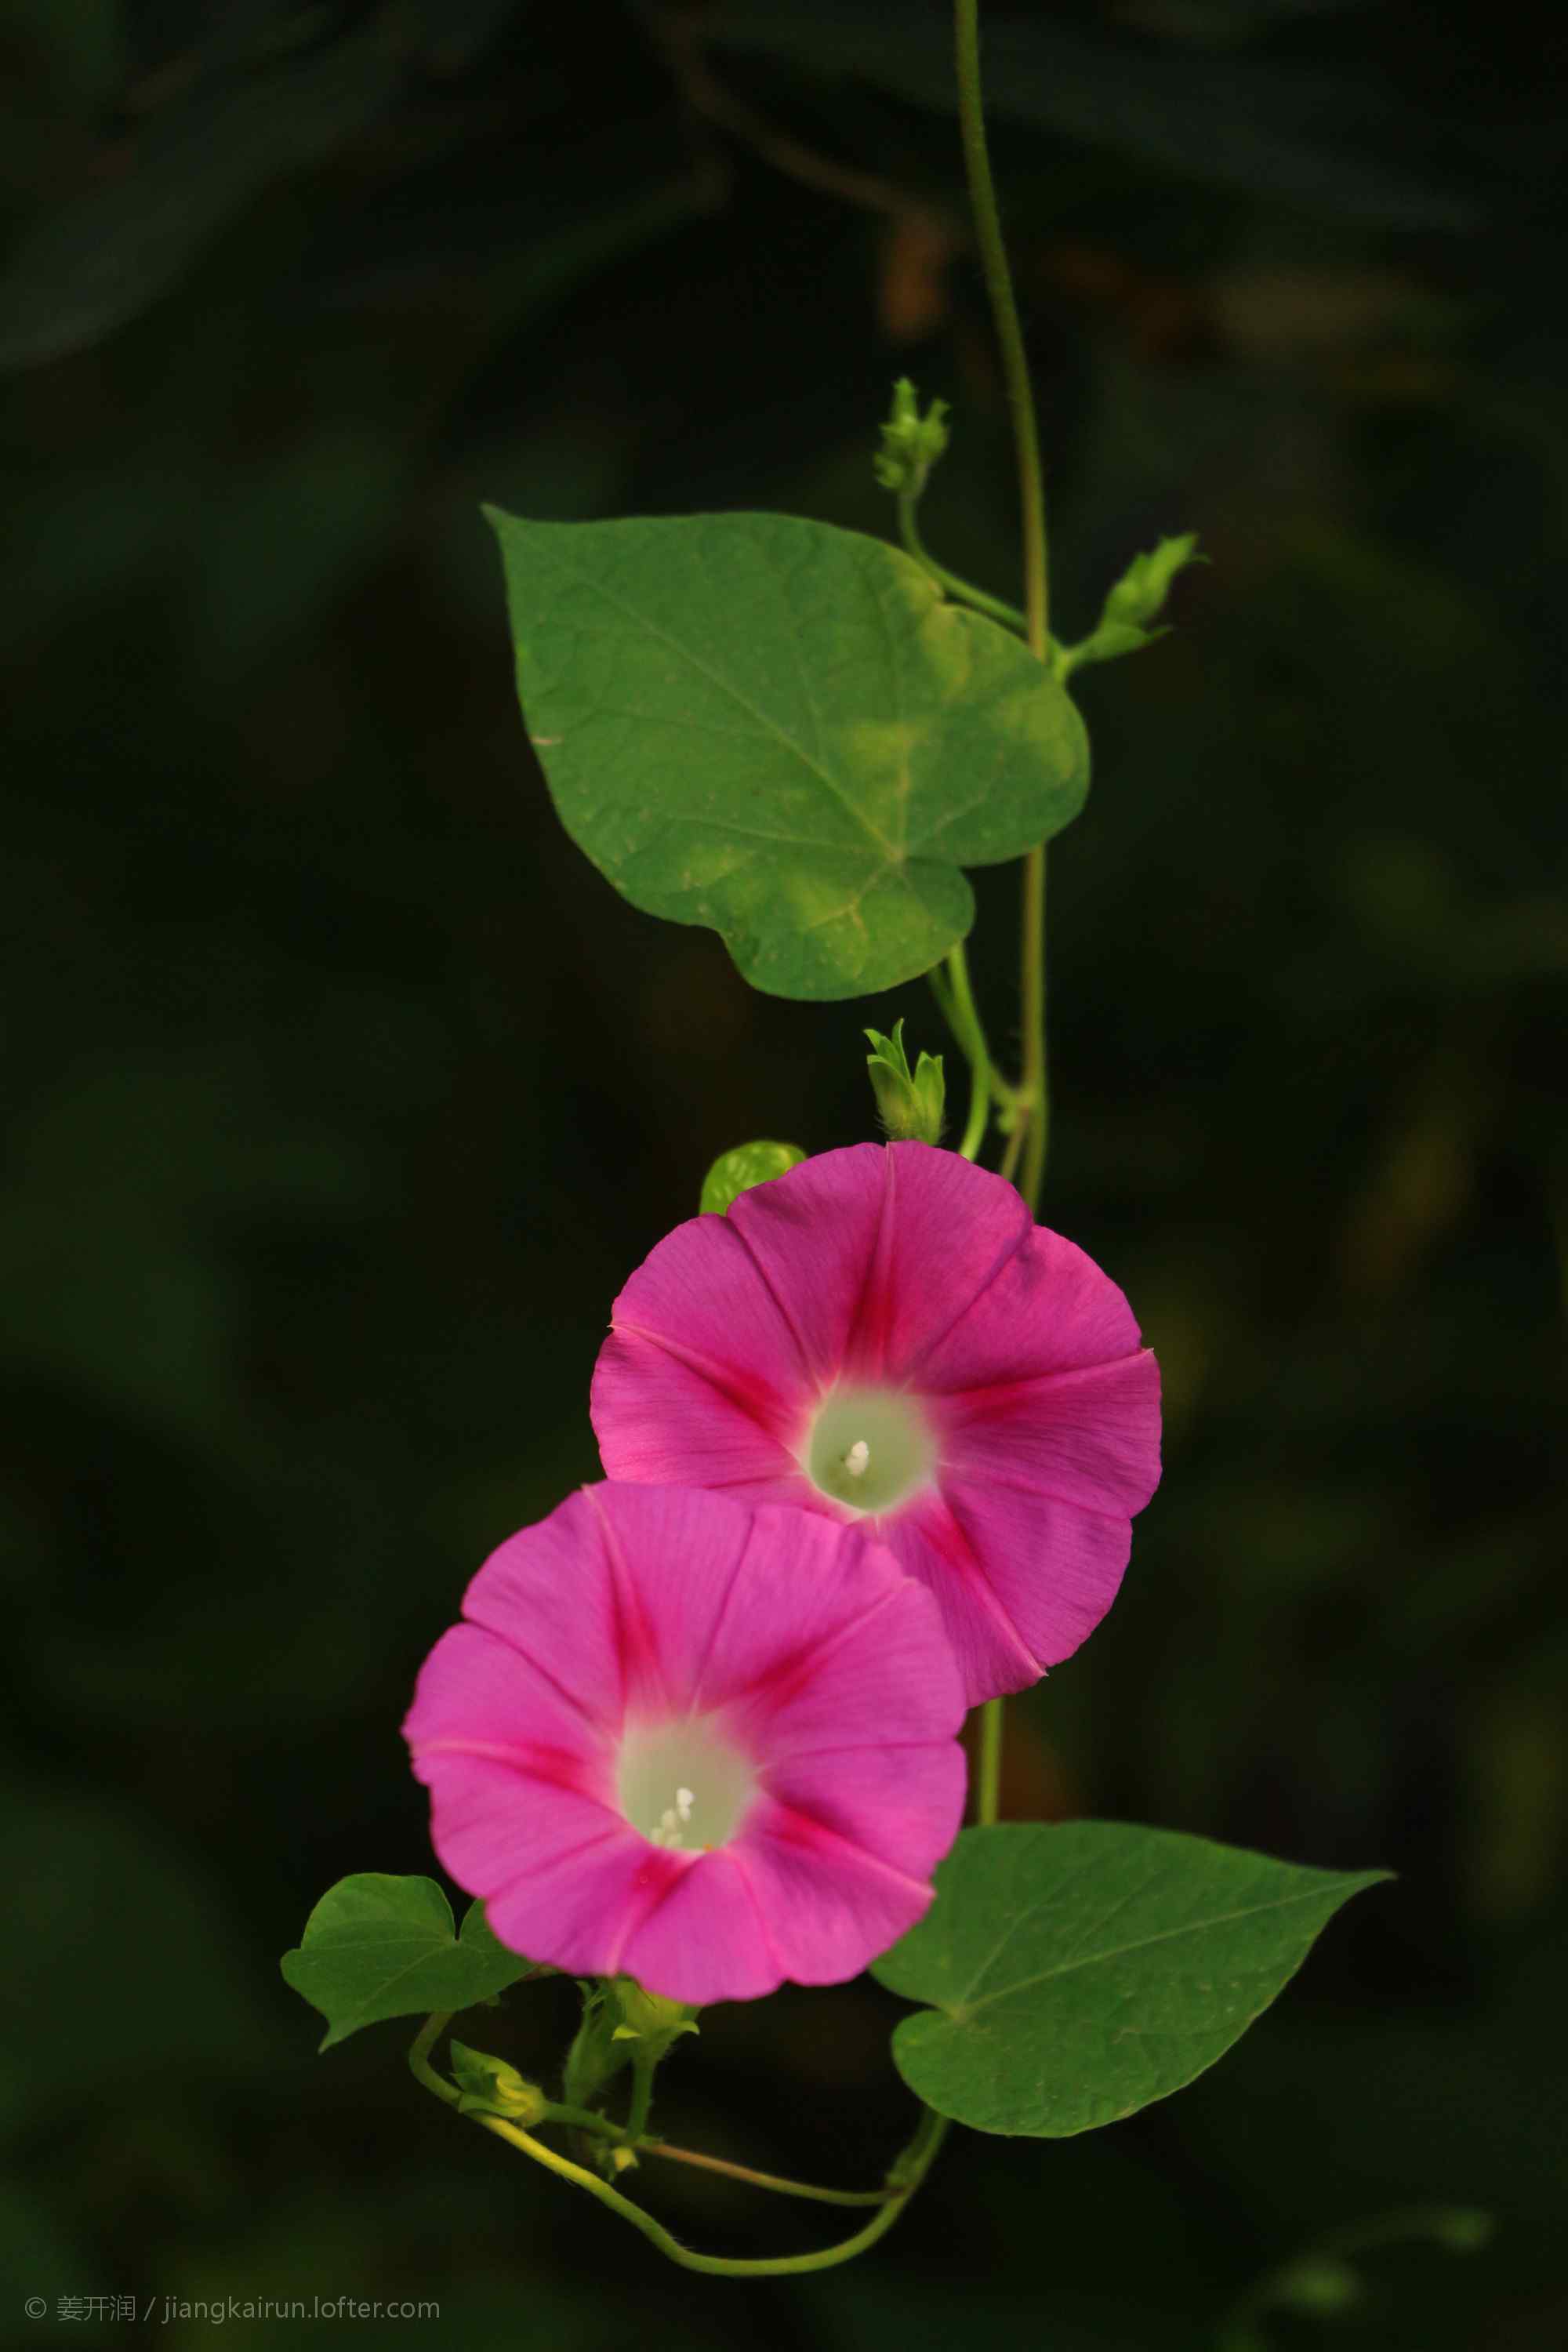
(1036, 599)
(643, 2071)
(1036, 1073)
(965, 1020)
(988, 1765)
(1009, 331)
(904, 2177)
(755, 2179)
(424, 2041)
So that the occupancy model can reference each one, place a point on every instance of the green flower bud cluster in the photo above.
(489, 2086)
(1136, 603)
(911, 1103)
(912, 443)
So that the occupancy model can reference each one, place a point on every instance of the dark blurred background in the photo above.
(344, 1095)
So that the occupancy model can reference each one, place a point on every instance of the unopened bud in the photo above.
(912, 443)
(489, 2086)
(911, 1102)
(1129, 614)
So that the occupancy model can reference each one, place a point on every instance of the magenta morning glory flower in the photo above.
(884, 1336)
(706, 1746)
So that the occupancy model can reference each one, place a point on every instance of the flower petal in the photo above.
(1054, 1569)
(706, 1940)
(478, 1696)
(901, 1800)
(869, 1664)
(993, 1653)
(494, 1825)
(811, 1236)
(548, 1593)
(857, 1246)
(677, 1555)
(1089, 1437)
(829, 1906)
(660, 1420)
(581, 1911)
(700, 1295)
(1049, 1309)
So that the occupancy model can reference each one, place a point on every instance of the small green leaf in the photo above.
(1136, 603)
(787, 732)
(378, 1947)
(911, 1103)
(1080, 1971)
(735, 1172)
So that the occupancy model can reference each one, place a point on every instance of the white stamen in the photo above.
(858, 1459)
(682, 1785)
(674, 1820)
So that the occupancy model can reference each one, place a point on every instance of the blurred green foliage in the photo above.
(344, 1095)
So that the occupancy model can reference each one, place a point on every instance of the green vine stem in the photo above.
(1037, 605)
(776, 2181)
(904, 2177)
(954, 994)
(988, 1763)
(643, 2071)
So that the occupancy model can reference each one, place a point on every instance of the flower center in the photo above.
(870, 1448)
(681, 1785)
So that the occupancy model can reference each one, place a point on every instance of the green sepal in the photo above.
(911, 1104)
(912, 443)
(736, 1171)
(377, 1947)
(650, 2018)
(595, 2058)
(489, 2086)
(1136, 603)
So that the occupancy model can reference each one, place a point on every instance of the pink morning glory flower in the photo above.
(682, 1740)
(884, 1336)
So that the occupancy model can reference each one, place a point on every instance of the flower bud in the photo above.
(912, 443)
(735, 1172)
(911, 1104)
(489, 2086)
(1136, 603)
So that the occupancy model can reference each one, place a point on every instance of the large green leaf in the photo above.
(378, 1947)
(1076, 1972)
(782, 731)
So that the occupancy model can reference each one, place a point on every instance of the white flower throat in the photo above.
(870, 1448)
(682, 1785)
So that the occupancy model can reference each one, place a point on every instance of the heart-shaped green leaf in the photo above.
(1077, 1971)
(782, 731)
(378, 1947)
